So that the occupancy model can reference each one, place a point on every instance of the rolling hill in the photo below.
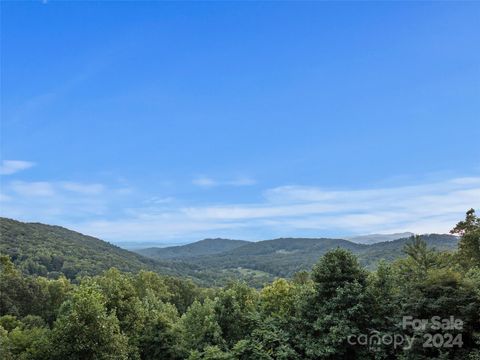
(40, 249)
(391, 250)
(285, 256)
(199, 248)
(52, 250)
(376, 238)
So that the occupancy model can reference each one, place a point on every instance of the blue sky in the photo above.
(171, 122)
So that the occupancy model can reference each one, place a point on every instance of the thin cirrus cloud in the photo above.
(58, 202)
(241, 181)
(45, 188)
(87, 189)
(208, 182)
(293, 210)
(302, 211)
(159, 200)
(9, 167)
(32, 189)
(204, 181)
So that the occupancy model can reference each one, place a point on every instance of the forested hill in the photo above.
(285, 256)
(46, 250)
(51, 250)
(376, 238)
(199, 248)
(147, 316)
(392, 250)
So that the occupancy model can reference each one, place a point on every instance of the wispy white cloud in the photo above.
(242, 181)
(56, 202)
(10, 167)
(291, 210)
(159, 200)
(204, 181)
(208, 182)
(32, 189)
(45, 188)
(4, 197)
(299, 210)
(89, 189)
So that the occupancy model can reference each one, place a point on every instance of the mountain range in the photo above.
(47, 250)
(283, 256)
(375, 238)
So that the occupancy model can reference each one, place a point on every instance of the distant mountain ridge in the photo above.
(285, 256)
(136, 245)
(47, 250)
(376, 238)
(199, 248)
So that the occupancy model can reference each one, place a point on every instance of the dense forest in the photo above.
(338, 310)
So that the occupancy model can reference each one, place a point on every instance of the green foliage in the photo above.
(141, 315)
(469, 245)
(383, 287)
(338, 307)
(22, 296)
(278, 298)
(148, 281)
(38, 249)
(9, 322)
(260, 262)
(469, 225)
(235, 309)
(211, 353)
(25, 343)
(86, 330)
(472, 277)
(274, 336)
(184, 292)
(161, 336)
(444, 293)
(200, 327)
(52, 251)
(421, 260)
